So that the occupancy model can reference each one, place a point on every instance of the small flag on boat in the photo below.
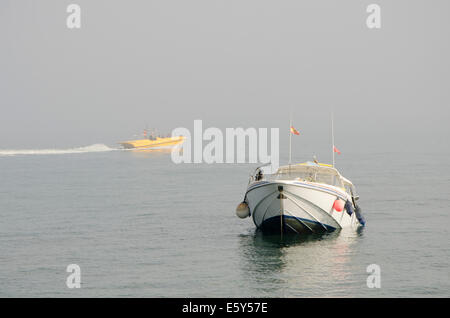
(336, 150)
(294, 131)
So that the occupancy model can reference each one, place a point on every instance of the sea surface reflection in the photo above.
(298, 264)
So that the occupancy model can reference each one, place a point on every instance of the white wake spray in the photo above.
(86, 149)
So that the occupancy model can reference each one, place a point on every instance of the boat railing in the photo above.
(316, 178)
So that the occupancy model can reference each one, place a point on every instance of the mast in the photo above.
(332, 135)
(290, 142)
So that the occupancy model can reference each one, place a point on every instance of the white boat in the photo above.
(301, 198)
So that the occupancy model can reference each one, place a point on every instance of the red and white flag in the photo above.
(294, 131)
(336, 150)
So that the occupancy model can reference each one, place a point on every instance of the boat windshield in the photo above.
(308, 174)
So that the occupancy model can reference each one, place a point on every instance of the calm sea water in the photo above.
(140, 226)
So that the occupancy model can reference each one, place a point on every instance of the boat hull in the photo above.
(152, 144)
(297, 207)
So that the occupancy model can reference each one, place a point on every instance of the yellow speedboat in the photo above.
(152, 142)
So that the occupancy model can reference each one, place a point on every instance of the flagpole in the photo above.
(332, 135)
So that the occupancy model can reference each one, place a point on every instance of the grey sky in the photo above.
(230, 63)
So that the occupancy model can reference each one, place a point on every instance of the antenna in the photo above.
(290, 139)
